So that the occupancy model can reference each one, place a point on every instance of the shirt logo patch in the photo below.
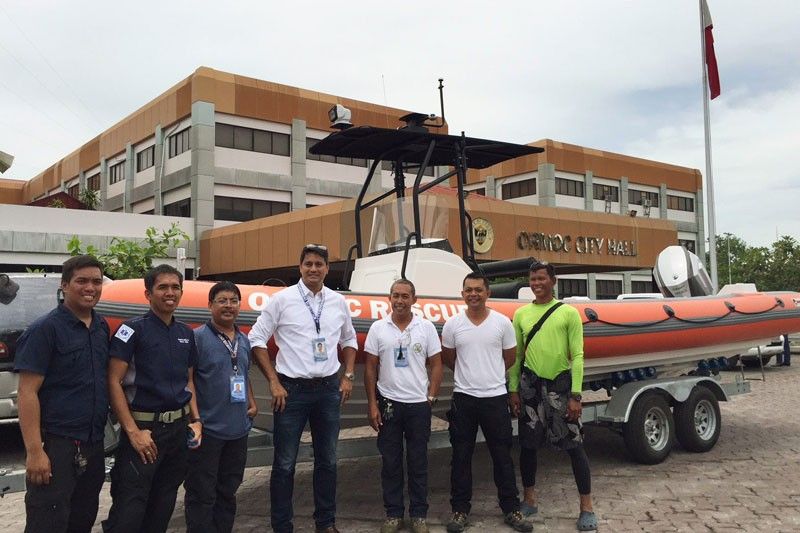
(124, 333)
(417, 348)
(183, 341)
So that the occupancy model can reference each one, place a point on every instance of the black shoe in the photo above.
(517, 522)
(457, 523)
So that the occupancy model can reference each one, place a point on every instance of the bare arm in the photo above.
(371, 386)
(346, 386)
(435, 362)
(37, 463)
(140, 439)
(278, 393)
(449, 357)
(194, 412)
(252, 406)
(510, 357)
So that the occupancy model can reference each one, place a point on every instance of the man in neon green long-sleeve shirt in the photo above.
(545, 387)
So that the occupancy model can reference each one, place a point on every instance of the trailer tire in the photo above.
(649, 432)
(698, 421)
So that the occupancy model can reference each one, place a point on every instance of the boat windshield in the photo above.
(393, 221)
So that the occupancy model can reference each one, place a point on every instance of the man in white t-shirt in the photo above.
(400, 401)
(479, 345)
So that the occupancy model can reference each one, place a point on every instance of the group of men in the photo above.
(185, 403)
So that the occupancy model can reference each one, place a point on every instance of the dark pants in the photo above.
(409, 422)
(316, 402)
(143, 495)
(528, 458)
(69, 502)
(215, 472)
(466, 414)
(785, 358)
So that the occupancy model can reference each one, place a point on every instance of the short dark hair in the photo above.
(152, 275)
(76, 263)
(319, 249)
(403, 281)
(476, 275)
(541, 265)
(223, 286)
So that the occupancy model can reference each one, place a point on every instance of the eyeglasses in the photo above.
(227, 301)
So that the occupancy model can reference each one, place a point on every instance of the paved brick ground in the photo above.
(749, 481)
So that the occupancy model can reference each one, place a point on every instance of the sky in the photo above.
(614, 75)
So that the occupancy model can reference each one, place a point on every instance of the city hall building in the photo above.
(228, 156)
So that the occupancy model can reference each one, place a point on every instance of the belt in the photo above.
(307, 381)
(166, 417)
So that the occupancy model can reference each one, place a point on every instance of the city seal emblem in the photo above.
(483, 235)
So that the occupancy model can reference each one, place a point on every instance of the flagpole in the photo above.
(712, 222)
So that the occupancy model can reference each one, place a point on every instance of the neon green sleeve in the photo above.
(575, 334)
(516, 368)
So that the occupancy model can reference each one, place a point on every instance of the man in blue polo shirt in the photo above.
(63, 404)
(227, 407)
(151, 386)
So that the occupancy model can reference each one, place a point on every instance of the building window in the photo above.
(519, 189)
(252, 140)
(354, 161)
(179, 142)
(93, 182)
(688, 244)
(603, 192)
(74, 191)
(569, 187)
(181, 208)
(144, 159)
(572, 287)
(243, 209)
(680, 203)
(116, 173)
(608, 289)
(638, 197)
(642, 286)
(481, 191)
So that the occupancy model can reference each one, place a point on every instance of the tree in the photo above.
(771, 268)
(58, 203)
(125, 258)
(89, 198)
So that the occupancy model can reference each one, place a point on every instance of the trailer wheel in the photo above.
(698, 421)
(649, 432)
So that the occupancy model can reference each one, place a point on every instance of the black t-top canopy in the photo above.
(410, 146)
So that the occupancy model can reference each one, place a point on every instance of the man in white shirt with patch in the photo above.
(308, 321)
(400, 401)
(479, 344)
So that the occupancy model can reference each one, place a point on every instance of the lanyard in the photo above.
(317, 316)
(233, 349)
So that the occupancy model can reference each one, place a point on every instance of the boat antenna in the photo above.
(441, 105)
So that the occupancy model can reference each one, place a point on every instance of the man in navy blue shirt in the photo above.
(151, 386)
(227, 407)
(63, 404)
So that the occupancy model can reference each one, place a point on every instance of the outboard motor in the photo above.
(680, 273)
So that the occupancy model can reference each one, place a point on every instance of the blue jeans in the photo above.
(409, 422)
(315, 401)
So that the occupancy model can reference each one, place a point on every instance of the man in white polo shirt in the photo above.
(400, 402)
(479, 345)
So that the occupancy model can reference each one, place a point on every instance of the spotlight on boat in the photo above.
(5, 161)
(340, 117)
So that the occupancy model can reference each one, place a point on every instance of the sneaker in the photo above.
(517, 522)
(419, 525)
(392, 524)
(457, 523)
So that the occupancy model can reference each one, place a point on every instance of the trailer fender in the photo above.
(678, 389)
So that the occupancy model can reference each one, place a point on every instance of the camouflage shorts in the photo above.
(543, 412)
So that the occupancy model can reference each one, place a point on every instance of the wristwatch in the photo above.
(575, 396)
(432, 400)
(349, 375)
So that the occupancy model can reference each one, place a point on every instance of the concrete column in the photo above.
(103, 184)
(699, 209)
(546, 184)
(298, 155)
(158, 160)
(588, 190)
(130, 173)
(591, 285)
(662, 201)
(623, 196)
(202, 171)
(491, 187)
(81, 181)
(626, 283)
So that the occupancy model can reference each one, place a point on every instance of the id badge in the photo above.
(400, 357)
(319, 349)
(237, 389)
